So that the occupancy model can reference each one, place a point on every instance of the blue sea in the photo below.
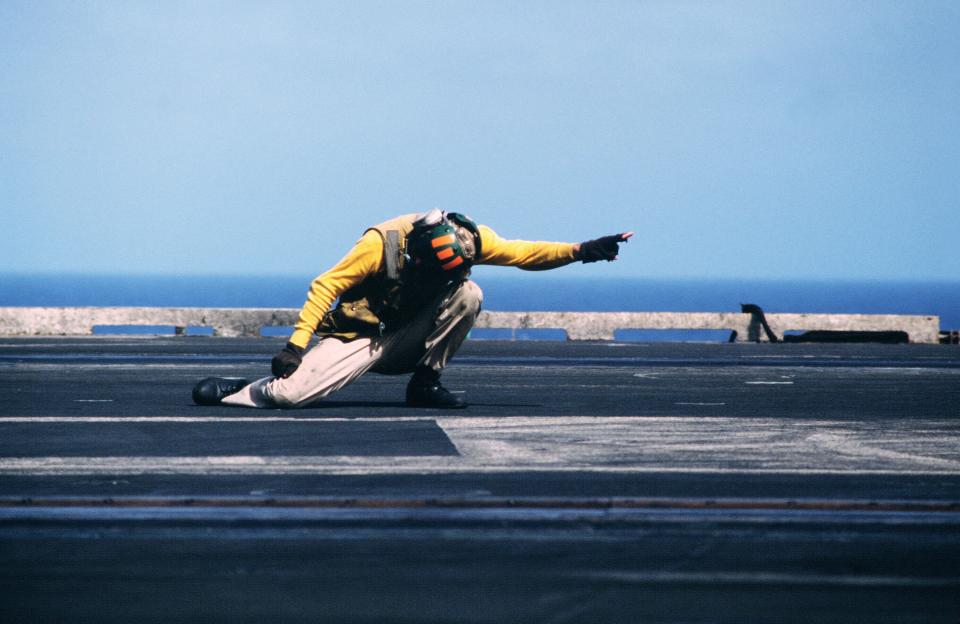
(522, 291)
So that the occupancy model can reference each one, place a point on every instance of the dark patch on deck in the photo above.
(175, 438)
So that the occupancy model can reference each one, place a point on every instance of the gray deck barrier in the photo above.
(33, 321)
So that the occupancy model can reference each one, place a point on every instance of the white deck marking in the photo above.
(572, 444)
(344, 465)
(713, 578)
(849, 446)
(694, 403)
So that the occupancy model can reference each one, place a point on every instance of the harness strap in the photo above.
(391, 255)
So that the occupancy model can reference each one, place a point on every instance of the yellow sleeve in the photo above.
(529, 255)
(361, 261)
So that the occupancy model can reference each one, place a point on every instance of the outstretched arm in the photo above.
(540, 255)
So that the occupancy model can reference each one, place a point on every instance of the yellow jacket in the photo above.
(365, 260)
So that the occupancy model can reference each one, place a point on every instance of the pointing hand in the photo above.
(603, 248)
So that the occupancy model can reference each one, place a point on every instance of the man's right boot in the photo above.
(210, 391)
(424, 390)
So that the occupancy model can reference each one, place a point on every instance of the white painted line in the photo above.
(808, 357)
(342, 465)
(765, 578)
(704, 404)
(849, 446)
(93, 400)
(689, 443)
(769, 383)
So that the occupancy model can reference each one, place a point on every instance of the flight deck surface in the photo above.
(586, 482)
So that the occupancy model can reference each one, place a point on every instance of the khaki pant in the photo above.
(431, 339)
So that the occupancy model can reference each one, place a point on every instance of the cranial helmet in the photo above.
(445, 242)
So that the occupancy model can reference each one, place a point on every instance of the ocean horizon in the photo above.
(518, 292)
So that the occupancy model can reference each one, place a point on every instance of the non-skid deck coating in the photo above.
(586, 482)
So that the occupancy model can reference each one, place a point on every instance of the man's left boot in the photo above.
(210, 391)
(425, 390)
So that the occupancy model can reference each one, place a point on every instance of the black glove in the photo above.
(288, 360)
(603, 248)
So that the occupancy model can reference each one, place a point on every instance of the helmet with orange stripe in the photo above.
(443, 244)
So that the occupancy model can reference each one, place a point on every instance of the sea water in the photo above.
(518, 292)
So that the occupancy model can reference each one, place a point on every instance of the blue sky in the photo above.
(738, 139)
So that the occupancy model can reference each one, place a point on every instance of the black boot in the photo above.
(424, 390)
(211, 390)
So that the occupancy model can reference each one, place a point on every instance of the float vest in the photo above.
(391, 297)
